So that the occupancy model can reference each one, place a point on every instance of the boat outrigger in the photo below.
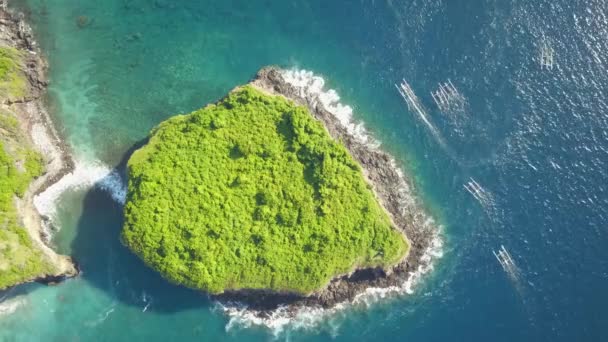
(447, 96)
(476, 190)
(546, 57)
(505, 260)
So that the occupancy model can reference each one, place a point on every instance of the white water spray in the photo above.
(312, 88)
(85, 176)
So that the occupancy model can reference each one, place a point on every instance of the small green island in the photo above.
(252, 193)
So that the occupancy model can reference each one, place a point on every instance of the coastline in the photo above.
(389, 184)
(37, 125)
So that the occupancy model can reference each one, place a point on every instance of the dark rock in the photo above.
(83, 21)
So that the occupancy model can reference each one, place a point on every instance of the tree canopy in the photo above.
(253, 193)
(20, 259)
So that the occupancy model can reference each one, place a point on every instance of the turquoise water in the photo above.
(535, 139)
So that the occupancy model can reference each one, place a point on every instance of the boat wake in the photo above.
(449, 101)
(102, 316)
(414, 105)
(312, 88)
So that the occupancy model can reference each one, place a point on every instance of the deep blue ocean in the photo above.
(534, 137)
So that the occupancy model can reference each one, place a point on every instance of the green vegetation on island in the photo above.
(20, 260)
(253, 193)
(12, 80)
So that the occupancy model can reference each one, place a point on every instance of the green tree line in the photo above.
(253, 193)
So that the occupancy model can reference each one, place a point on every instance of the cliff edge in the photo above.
(32, 158)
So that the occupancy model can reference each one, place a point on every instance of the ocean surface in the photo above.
(532, 136)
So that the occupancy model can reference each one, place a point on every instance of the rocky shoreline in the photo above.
(391, 188)
(35, 122)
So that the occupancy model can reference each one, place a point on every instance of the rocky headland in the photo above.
(36, 132)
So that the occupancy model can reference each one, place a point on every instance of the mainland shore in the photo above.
(37, 125)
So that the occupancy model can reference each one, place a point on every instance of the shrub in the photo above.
(12, 81)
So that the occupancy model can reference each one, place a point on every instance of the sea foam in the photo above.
(311, 87)
(10, 306)
(84, 176)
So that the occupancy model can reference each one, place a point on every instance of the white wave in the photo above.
(510, 267)
(312, 88)
(85, 176)
(414, 104)
(10, 306)
(284, 319)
